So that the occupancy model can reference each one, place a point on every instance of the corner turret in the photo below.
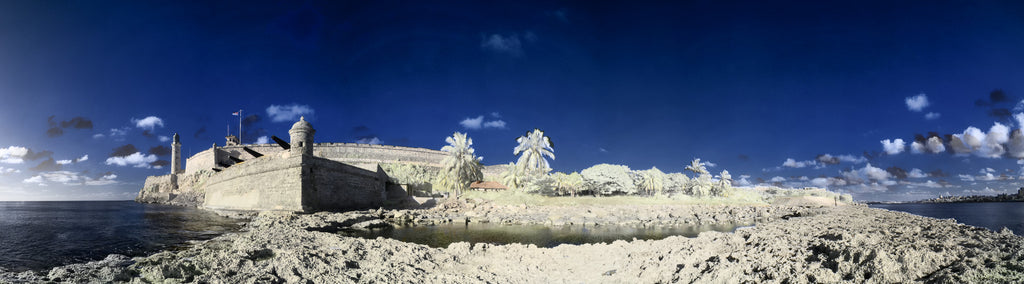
(302, 137)
(176, 155)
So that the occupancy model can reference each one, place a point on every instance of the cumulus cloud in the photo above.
(510, 45)
(478, 123)
(981, 144)
(137, 160)
(777, 179)
(917, 103)
(1015, 147)
(64, 162)
(866, 174)
(917, 147)
(13, 155)
(917, 173)
(932, 116)
(124, 150)
(263, 140)
(935, 145)
(790, 162)
(472, 123)
(164, 138)
(288, 112)
(160, 150)
(35, 180)
(893, 147)
(148, 123)
(495, 124)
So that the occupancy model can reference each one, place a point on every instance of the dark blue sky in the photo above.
(744, 85)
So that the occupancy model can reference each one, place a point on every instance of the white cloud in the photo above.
(369, 140)
(935, 145)
(894, 146)
(288, 112)
(497, 43)
(917, 148)
(63, 162)
(35, 179)
(852, 159)
(82, 159)
(104, 180)
(137, 160)
(98, 136)
(917, 173)
(263, 140)
(743, 181)
(603, 150)
(710, 164)
(7, 171)
(917, 103)
(478, 123)
(472, 123)
(867, 173)
(932, 116)
(790, 162)
(164, 138)
(1015, 147)
(13, 155)
(148, 123)
(495, 124)
(70, 178)
(966, 177)
(777, 179)
(495, 114)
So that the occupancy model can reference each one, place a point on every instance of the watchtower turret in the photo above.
(176, 155)
(302, 137)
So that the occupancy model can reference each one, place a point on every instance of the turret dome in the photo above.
(302, 124)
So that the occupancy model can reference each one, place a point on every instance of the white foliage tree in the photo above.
(461, 167)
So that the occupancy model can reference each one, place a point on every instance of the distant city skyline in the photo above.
(840, 95)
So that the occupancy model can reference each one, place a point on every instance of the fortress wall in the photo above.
(338, 186)
(200, 161)
(367, 153)
(269, 183)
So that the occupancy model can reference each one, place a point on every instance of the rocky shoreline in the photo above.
(788, 245)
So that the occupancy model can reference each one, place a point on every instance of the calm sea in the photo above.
(43, 234)
(991, 215)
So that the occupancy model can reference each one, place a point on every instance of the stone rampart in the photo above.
(204, 160)
(269, 183)
(338, 186)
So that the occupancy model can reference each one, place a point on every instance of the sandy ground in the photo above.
(789, 245)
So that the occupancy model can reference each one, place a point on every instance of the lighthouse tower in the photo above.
(302, 137)
(176, 155)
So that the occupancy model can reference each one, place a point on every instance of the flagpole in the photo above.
(239, 127)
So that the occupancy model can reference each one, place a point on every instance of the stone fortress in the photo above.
(298, 175)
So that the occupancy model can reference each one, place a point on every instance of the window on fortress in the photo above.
(300, 144)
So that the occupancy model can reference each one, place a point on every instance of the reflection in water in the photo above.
(540, 235)
(41, 235)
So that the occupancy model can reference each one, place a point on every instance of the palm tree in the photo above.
(513, 176)
(461, 167)
(533, 147)
(724, 183)
(697, 167)
(653, 181)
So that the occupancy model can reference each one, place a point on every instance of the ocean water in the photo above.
(539, 235)
(991, 215)
(44, 234)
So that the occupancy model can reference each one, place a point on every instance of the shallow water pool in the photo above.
(540, 235)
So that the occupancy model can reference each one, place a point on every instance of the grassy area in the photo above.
(737, 197)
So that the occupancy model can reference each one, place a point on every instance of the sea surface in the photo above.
(43, 234)
(991, 215)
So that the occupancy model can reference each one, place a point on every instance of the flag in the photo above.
(234, 113)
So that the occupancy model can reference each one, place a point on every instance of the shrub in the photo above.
(608, 179)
